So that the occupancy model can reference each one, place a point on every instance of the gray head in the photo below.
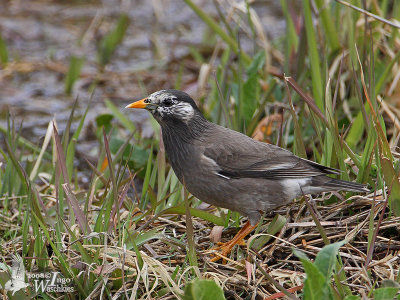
(169, 106)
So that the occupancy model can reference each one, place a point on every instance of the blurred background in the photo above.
(57, 51)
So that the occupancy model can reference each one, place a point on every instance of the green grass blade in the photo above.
(74, 70)
(196, 213)
(314, 56)
(3, 51)
(327, 22)
(120, 116)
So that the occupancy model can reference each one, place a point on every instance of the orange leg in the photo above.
(226, 248)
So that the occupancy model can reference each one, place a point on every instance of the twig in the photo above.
(369, 14)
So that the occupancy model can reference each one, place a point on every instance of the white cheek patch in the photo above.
(183, 110)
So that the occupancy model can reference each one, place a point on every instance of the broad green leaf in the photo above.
(275, 226)
(104, 120)
(326, 258)
(316, 286)
(385, 293)
(203, 289)
(136, 153)
(390, 283)
(356, 131)
(142, 238)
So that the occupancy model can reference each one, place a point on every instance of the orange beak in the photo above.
(138, 104)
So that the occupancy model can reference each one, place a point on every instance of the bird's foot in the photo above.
(223, 249)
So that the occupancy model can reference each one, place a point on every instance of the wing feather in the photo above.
(238, 156)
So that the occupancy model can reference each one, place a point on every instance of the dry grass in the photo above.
(238, 275)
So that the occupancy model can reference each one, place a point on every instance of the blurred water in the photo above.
(42, 35)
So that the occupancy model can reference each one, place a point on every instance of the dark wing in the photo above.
(239, 156)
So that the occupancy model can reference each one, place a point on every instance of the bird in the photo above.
(228, 169)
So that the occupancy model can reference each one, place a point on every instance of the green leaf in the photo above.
(390, 283)
(3, 51)
(104, 120)
(316, 285)
(199, 213)
(326, 258)
(314, 55)
(275, 226)
(356, 131)
(137, 154)
(74, 70)
(330, 31)
(352, 297)
(203, 289)
(142, 238)
(385, 293)
(257, 63)
(250, 96)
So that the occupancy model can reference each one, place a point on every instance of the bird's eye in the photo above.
(168, 102)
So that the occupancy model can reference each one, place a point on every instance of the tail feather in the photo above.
(337, 184)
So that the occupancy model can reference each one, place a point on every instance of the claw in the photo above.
(226, 248)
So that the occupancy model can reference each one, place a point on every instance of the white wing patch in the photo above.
(223, 176)
(293, 187)
(213, 165)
